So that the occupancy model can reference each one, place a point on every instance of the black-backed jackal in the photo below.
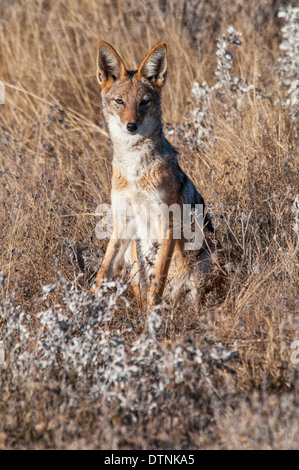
(147, 177)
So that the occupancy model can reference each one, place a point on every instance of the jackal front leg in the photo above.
(114, 254)
(159, 276)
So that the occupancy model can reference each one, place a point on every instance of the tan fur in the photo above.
(145, 173)
(119, 182)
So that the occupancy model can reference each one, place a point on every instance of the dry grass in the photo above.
(55, 169)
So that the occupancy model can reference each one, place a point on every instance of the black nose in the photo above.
(132, 126)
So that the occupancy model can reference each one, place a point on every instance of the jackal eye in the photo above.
(119, 101)
(144, 102)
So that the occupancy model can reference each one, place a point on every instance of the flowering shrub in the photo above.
(197, 128)
(73, 339)
(78, 360)
(79, 372)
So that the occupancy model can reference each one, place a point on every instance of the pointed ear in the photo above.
(110, 67)
(154, 65)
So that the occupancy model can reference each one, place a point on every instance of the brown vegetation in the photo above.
(55, 169)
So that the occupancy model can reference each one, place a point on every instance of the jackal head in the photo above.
(132, 99)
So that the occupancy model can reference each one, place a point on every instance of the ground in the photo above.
(221, 373)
